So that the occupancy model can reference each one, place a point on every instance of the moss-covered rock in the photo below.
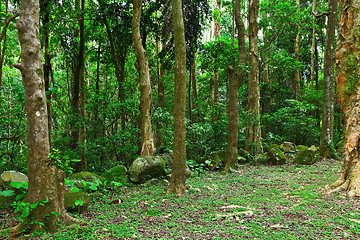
(217, 159)
(301, 147)
(166, 154)
(305, 157)
(86, 176)
(244, 154)
(313, 148)
(288, 147)
(7, 177)
(116, 174)
(5, 202)
(242, 160)
(261, 159)
(70, 201)
(277, 157)
(145, 168)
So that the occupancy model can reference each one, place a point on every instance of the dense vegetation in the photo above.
(111, 119)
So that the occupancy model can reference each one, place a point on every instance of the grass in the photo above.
(271, 202)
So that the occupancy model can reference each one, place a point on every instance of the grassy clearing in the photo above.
(257, 202)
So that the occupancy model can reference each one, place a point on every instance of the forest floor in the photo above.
(256, 202)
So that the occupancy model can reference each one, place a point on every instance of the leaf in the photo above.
(92, 187)
(79, 202)
(7, 193)
(34, 205)
(56, 214)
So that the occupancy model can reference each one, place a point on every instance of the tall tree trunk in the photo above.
(253, 137)
(147, 142)
(78, 97)
(47, 65)
(327, 126)
(194, 88)
(234, 85)
(316, 68)
(46, 182)
(177, 182)
(216, 70)
(313, 47)
(297, 56)
(347, 69)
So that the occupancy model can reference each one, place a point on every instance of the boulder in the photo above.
(116, 174)
(313, 148)
(244, 154)
(7, 177)
(217, 159)
(145, 168)
(305, 157)
(6, 201)
(277, 157)
(86, 176)
(166, 154)
(260, 159)
(288, 147)
(301, 147)
(70, 199)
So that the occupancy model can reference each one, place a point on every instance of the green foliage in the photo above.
(64, 162)
(295, 122)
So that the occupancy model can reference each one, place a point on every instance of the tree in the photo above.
(326, 137)
(253, 137)
(177, 182)
(78, 92)
(347, 68)
(297, 55)
(234, 85)
(147, 140)
(46, 182)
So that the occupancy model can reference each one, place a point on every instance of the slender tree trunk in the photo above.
(147, 142)
(216, 70)
(316, 68)
(297, 56)
(177, 182)
(46, 182)
(253, 137)
(78, 96)
(347, 69)
(313, 47)
(47, 65)
(234, 85)
(327, 126)
(194, 88)
(189, 95)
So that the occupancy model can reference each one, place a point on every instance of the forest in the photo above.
(179, 119)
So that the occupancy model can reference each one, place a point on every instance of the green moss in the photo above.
(353, 79)
(217, 159)
(86, 176)
(305, 157)
(117, 174)
(301, 147)
(277, 157)
(261, 159)
(71, 197)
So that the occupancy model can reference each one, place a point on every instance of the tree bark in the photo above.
(234, 85)
(327, 127)
(313, 47)
(47, 64)
(46, 182)
(297, 56)
(347, 69)
(177, 182)
(216, 70)
(147, 141)
(253, 137)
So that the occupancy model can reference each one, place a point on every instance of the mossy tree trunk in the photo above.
(46, 182)
(177, 182)
(253, 137)
(147, 140)
(326, 138)
(347, 69)
(234, 85)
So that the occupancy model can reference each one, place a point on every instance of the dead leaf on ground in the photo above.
(246, 213)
